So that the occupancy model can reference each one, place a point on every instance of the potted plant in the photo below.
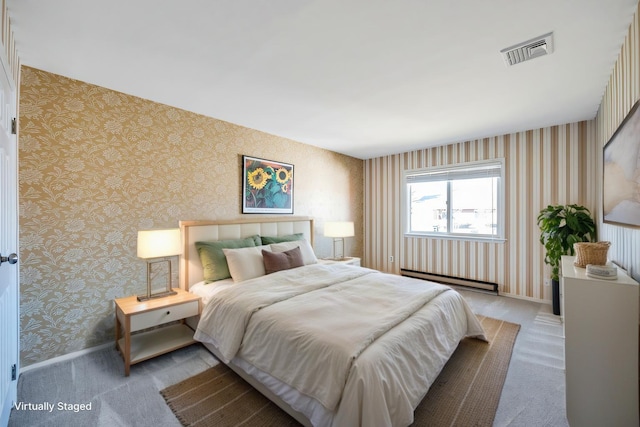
(561, 226)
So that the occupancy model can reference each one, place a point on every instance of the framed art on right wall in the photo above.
(621, 173)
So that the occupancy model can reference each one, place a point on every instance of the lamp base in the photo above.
(157, 295)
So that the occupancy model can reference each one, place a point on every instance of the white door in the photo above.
(9, 314)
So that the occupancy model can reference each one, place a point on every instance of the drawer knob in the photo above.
(168, 312)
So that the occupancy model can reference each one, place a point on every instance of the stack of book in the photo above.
(607, 272)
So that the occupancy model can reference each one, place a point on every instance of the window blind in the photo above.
(486, 170)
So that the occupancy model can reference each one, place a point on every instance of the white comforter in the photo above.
(364, 344)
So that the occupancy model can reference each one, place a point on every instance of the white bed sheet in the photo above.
(206, 291)
(367, 398)
(311, 408)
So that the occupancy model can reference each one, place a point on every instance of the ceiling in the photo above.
(365, 78)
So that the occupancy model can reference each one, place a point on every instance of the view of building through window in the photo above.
(456, 204)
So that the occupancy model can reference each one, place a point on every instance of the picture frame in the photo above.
(267, 186)
(621, 173)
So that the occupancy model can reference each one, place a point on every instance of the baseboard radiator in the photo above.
(449, 280)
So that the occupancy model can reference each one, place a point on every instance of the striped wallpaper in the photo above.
(622, 91)
(555, 165)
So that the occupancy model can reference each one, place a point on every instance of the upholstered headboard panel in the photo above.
(195, 231)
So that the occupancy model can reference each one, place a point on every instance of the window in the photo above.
(459, 201)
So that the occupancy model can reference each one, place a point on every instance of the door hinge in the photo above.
(14, 126)
(14, 372)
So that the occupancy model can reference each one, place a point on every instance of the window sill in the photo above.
(484, 239)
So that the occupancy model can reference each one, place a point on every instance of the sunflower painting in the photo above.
(267, 186)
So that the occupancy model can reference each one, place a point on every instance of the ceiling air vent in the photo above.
(530, 49)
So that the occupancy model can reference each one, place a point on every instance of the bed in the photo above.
(331, 344)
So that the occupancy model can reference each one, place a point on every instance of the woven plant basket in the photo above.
(591, 253)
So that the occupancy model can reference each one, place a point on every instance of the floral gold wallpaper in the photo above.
(98, 165)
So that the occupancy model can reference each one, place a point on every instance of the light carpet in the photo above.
(466, 392)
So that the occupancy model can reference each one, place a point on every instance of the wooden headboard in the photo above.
(203, 230)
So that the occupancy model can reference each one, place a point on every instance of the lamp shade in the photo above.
(339, 229)
(159, 243)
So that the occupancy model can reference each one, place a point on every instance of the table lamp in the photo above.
(158, 246)
(338, 230)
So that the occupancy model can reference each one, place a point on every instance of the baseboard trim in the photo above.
(514, 296)
(65, 357)
(449, 280)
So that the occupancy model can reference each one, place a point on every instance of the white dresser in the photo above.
(601, 347)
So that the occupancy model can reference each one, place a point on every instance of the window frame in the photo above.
(456, 169)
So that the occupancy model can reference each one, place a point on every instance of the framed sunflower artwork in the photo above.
(267, 186)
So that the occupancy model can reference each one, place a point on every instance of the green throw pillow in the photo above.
(266, 240)
(214, 263)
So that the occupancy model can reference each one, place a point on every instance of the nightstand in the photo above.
(133, 316)
(347, 260)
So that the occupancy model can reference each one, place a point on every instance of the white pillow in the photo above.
(245, 263)
(308, 256)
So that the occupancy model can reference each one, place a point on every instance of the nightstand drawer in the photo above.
(159, 316)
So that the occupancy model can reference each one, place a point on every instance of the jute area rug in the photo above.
(466, 393)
